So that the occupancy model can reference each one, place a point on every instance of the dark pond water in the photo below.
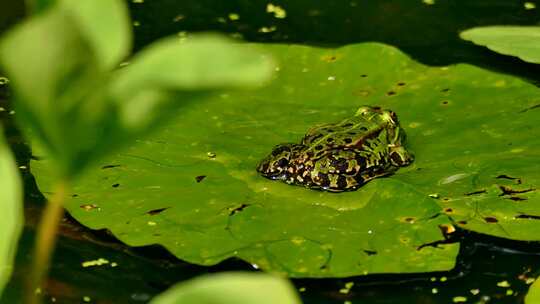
(489, 270)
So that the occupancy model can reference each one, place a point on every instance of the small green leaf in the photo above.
(519, 41)
(205, 62)
(533, 296)
(106, 26)
(231, 288)
(11, 204)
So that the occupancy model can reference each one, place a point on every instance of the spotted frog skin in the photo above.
(341, 156)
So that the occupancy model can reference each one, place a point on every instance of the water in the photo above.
(489, 270)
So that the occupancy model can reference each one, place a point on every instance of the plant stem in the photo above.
(45, 241)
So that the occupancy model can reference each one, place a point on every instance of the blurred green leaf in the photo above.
(519, 41)
(231, 288)
(60, 64)
(204, 62)
(53, 71)
(106, 25)
(11, 204)
(533, 296)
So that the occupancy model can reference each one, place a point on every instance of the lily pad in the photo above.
(193, 188)
(519, 41)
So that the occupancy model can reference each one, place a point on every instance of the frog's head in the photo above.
(276, 164)
(400, 157)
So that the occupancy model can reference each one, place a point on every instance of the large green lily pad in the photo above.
(193, 187)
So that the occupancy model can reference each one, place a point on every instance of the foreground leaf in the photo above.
(193, 187)
(519, 41)
(533, 296)
(79, 109)
(106, 25)
(11, 204)
(231, 288)
(204, 62)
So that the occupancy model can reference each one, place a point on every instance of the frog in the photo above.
(342, 156)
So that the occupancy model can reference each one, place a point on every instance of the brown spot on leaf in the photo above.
(528, 217)
(409, 219)
(370, 252)
(200, 178)
(110, 166)
(504, 176)
(476, 192)
(509, 191)
(157, 211)
(233, 211)
(490, 219)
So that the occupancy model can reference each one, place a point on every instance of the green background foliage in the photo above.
(519, 41)
(471, 131)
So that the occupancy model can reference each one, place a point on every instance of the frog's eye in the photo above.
(363, 110)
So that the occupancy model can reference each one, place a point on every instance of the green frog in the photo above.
(341, 156)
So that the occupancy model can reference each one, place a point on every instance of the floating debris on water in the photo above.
(503, 284)
(459, 299)
(234, 16)
(529, 5)
(266, 29)
(93, 263)
(277, 10)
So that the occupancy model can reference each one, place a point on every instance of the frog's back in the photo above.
(332, 135)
